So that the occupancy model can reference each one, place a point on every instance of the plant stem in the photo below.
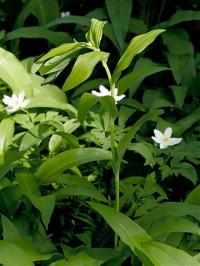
(112, 136)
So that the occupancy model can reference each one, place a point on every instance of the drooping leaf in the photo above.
(88, 100)
(37, 32)
(70, 158)
(14, 74)
(83, 68)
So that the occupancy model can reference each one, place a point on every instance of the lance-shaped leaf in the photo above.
(125, 141)
(70, 158)
(136, 46)
(14, 74)
(88, 100)
(6, 135)
(95, 32)
(83, 68)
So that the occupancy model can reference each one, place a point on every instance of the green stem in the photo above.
(112, 136)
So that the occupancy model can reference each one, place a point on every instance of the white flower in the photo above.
(165, 139)
(106, 92)
(15, 102)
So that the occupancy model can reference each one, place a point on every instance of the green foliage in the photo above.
(65, 151)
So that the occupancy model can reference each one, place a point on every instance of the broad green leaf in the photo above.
(46, 11)
(177, 209)
(88, 100)
(119, 12)
(132, 80)
(129, 231)
(83, 68)
(27, 183)
(81, 190)
(14, 74)
(45, 204)
(164, 255)
(37, 32)
(136, 46)
(171, 224)
(187, 170)
(10, 232)
(125, 141)
(138, 26)
(25, 12)
(187, 122)
(156, 99)
(143, 150)
(70, 158)
(80, 20)
(90, 257)
(11, 253)
(7, 128)
(194, 196)
(94, 35)
(180, 93)
(74, 186)
(180, 16)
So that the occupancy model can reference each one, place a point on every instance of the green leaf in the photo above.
(46, 11)
(11, 253)
(194, 196)
(177, 209)
(144, 150)
(187, 170)
(156, 99)
(61, 49)
(119, 12)
(145, 68)
(88, 100)
(14, 74)
(7, 127)
(9, 230)
(70, 158)
(180, 16)
(164, 255)
(136, 46)
(187, 122)
(125, 141)
(37, 32)
(180, 93)
(27, 183)
(83, 68)
(45, 205)
(94, 35)
(129, 231)
(171, 224)
(25, 12)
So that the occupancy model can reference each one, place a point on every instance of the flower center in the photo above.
(165, 139)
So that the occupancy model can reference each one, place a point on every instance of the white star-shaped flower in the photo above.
(106, 92)
(164, 139)
(15, 102)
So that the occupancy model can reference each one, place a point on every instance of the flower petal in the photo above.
(7, 100)
(163, 146)
(174, 141)
(21, 96)
(158, 134)
(120, 97)
(157, 140)
(168, 132)
(97, 93)
(104, 91)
